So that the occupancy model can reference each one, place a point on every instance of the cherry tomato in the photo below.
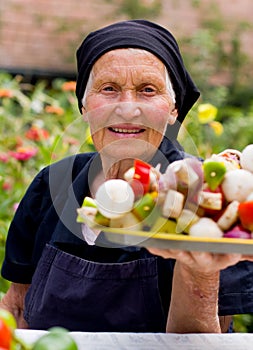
(245, 211)
(5, 335)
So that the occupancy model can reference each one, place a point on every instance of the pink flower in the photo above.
(15, 206)
(24, 153)
(4, 157)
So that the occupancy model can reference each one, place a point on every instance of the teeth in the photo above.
(126, 131)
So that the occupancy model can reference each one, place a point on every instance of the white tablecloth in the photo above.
(151, 341)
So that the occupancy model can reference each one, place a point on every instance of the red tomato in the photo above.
(245, 212)
(5, 335)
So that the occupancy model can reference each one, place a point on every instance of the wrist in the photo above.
(194, 294)
(199, 283)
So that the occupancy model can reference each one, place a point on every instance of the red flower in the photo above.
(24, 153)
(37, 134)
(54, 110)
(6, 93)
(6, 186)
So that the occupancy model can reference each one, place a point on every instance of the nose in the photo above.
(128, 109)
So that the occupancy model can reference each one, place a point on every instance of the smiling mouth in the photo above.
(126, 131)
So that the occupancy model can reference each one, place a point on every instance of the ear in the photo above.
(84, 114)
(173, 116)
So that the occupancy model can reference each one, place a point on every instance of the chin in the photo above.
(126, 152)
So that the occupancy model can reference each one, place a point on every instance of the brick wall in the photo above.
(42, 35)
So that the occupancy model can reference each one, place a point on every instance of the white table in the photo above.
(151, 341)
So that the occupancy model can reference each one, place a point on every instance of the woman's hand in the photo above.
(194, 298)
(202, 262)
(13, 301)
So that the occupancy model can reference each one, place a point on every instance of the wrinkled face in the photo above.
(127, 104)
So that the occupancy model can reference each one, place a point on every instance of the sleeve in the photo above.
(18, 265)
(236, 289)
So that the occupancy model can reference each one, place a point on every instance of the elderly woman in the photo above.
(134, 91)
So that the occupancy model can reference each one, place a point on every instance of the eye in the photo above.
(108, 88)
(148, 90)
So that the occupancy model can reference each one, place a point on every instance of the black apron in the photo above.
(83, 295)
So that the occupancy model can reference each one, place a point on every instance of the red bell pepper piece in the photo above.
(141, 178)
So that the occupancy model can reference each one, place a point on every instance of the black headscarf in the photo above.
(144, 35)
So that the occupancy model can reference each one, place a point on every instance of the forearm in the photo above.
(13, 301)
(194, 302)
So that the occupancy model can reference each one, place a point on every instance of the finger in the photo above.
(170, 253)
(247, 257)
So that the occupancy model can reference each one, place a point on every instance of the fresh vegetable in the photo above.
(229, 216)
(246, 160)
(129, 221)
(213, 198)
(237, 232)
(114, 198)
(5, 335)
(205, 227)
(245, 212)
(8, 318)
(210, 200)
(142, 178)
(164, 225)
(173, 204)
(214, 173)
(56, 339)
(144, 206)
(237, 185)
(186, 219)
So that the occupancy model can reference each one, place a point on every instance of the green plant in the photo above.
(38, 125)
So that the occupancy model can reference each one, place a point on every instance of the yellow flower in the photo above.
(206, 113)
(217, 128)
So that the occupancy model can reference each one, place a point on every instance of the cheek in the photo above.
(98, 115)
(158, 116)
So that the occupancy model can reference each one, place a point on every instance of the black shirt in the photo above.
(47, 213)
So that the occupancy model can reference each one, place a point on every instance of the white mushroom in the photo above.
(114, 198)
(247, 158)
(210, 200)
(186, 219)
(229, 217)
(237, 185)
(205, 227)
(173, 204)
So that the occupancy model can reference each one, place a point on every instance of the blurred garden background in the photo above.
(39, 118)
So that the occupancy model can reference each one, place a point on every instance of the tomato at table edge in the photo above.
(5, 335)
(8, 318)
